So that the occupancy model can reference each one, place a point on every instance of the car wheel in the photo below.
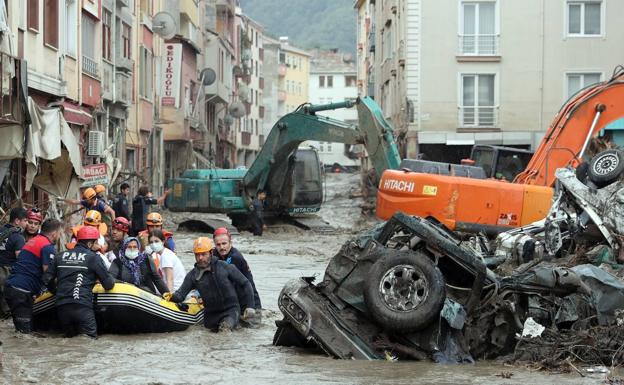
(606, 167)
(405, 291)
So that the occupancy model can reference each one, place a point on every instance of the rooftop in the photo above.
(331, 61)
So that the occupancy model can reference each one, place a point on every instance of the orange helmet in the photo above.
(202, 245)
(154, 219)
(93, 218)
(89, 194)
(99, 189)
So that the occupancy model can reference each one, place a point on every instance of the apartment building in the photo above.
(450, 74)
(333, 79)
(294, 73)
(272, 79)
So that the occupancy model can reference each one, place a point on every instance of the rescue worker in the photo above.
(92, 219)
(100, 192)
(11, 242)
(140, 208)
(226, 252)
(119, 233)
(257, 213)
(71, 277)
(223, 289)
(26, 279)
(120, 204)
(91, 201)
(33, 223)
(154, 222)
(137, 268)
(170, 266)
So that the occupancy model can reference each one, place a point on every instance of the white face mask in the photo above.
(132, 254)
(157, 246)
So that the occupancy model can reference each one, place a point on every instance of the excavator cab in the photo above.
(500, 162)
(307, 191)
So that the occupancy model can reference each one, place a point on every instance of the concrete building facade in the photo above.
(294, 75)
(496, 73)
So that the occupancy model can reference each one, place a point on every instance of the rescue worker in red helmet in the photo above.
(155, 221)
(71, 276)
(119, 232)
(223, 289)
(226, 252)
(33, 223)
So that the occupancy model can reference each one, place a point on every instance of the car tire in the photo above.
(606, 167)
(405, 291)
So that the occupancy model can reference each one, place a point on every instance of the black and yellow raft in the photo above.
(126, 309)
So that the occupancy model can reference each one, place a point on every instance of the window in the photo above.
(478, 28)
(256, 97)
(321, 81)
(386, 42)
(477, 100)
(329, 146)
(146, 70)
(350, 81)
(321, 147)
(578, 81)
(106, 34)
(89, 64)
(147, 7)
(130, 159)
(126, 33)
(584, 18)
(33, 14)
(51, 23)
(330, 81)
(282, 57)
(71, 23)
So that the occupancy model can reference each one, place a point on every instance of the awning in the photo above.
(76, 115)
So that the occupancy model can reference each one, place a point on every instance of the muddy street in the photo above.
(245, 356)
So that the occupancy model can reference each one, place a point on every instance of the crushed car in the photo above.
(411, 288)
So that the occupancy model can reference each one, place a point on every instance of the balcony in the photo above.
(478, 116)
(124, 64)
(90, 67)
(478, 45)
(281, 96)
(123, 88)
(219, 91)
(107, 80)
(281, 71)
(10, 90)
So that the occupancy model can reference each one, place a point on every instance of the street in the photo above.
(245, 356)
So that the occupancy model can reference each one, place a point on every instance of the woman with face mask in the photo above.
(168, 262)
(137, 268)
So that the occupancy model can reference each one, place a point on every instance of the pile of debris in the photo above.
(549, 293)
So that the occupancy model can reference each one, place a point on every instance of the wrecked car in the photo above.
(411, 288)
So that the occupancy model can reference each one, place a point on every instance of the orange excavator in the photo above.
(490, 205)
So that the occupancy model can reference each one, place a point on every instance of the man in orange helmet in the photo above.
(92, 219)
(91, 201)
(155, 221)
(224, 290)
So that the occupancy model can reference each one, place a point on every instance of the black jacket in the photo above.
(223, 288)
(121, 206)
(73, 274)
(149, 277)
(235, 258)
(140, 208)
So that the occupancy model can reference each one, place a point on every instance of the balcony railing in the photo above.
(90, 66)
(481, 116)
(478, 45)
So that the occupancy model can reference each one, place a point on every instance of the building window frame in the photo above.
(107, 35)
(583, 84)
(483, 116)
(478, 39)
(32, 15)
(51, 21)
(582, 13)
(71, 27)
(146, 71)
(126, 40)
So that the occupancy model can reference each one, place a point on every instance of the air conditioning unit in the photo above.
(96, 143)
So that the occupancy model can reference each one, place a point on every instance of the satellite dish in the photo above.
(237, 110)
(164, 25)
(228, 120)
(208, 75)
(243, 91)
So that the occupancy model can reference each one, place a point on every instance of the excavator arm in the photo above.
(568, 136)
(270, 170)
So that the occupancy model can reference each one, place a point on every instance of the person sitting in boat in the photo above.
(137, 268)
(169, 264)
(119, 233)
(223, 289)
(226, 252)
(71, 276)
(154, 222)
(33, 223)
(91, 201)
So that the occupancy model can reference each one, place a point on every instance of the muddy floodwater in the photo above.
(244, 356)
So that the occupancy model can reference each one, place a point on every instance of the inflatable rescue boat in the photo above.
(126, 309)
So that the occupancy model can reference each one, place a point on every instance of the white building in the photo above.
(450, 74)
(333, 79)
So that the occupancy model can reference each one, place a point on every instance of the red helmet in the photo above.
(121, 223)
(87, 233)
(34, 215)
(221, 231)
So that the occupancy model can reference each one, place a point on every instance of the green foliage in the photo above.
(307, 23)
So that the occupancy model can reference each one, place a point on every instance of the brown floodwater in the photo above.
(245, 356)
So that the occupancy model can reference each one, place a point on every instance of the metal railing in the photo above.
(479, 45)
(478, 116)
(90, 66)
